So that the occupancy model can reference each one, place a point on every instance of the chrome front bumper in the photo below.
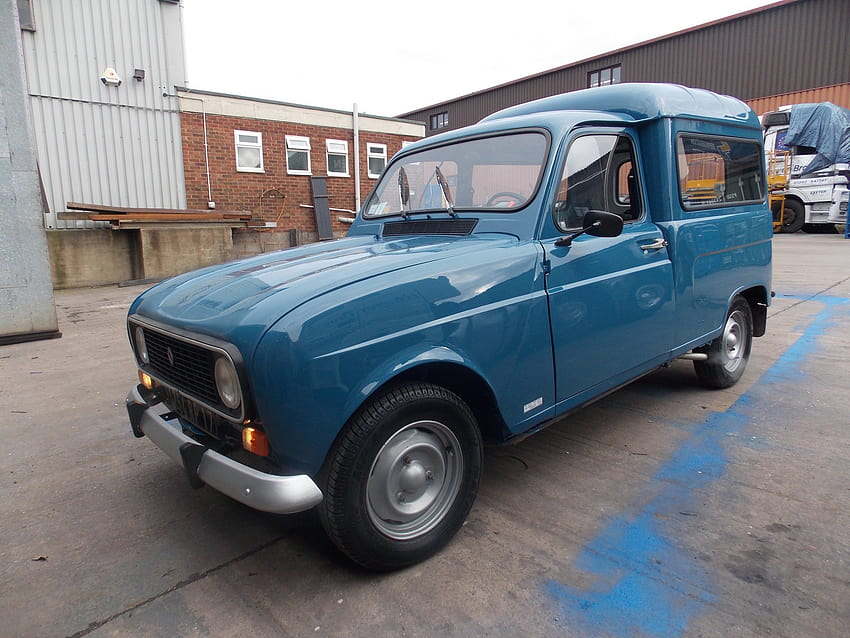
(262, 491)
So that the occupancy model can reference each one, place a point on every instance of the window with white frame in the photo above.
(249, 151)
(376, 157)
(297, 155)
(337, 158)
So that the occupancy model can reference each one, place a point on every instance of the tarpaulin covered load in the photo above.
(826, 128)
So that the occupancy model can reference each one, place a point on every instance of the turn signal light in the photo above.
(146, 380)
(255, 441)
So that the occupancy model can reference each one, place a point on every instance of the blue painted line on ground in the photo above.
(645, 583)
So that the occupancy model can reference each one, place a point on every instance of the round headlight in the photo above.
(141, 346)
(227, 383)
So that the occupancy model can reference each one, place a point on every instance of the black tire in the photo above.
(728, 354)
(794, 217)
(402, 477)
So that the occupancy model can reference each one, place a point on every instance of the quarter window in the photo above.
(599, 174)
(718, 171)
(249, 151)
(337, 158)
(297, 155)
(376, 155)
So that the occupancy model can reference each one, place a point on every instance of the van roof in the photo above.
(642, 101)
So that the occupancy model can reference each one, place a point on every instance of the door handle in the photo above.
(656, 245)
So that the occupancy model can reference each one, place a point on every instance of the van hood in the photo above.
(238, 301)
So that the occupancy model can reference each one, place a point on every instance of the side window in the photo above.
(718, 171)
(599, 174)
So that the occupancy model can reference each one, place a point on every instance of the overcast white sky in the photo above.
(395, 56)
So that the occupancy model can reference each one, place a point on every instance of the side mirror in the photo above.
(598, 223)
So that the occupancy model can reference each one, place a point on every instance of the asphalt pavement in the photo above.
(663, 510)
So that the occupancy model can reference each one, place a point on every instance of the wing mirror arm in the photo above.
(567, 240)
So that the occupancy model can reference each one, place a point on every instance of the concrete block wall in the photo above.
(102, 257)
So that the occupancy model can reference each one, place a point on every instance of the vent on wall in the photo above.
(459, 227)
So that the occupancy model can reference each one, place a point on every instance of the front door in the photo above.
(611, 300)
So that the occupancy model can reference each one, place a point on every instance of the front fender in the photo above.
(316, 366)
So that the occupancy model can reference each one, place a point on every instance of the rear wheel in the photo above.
(402, 477)
(728, 354)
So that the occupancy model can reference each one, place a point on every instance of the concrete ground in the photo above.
(663, 510)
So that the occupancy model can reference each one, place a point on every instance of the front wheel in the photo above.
(402, 477)
(728, 354)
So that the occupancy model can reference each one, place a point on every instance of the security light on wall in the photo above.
(110, 77)
(138, 75)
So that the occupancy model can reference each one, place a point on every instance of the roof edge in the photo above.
(324, 109)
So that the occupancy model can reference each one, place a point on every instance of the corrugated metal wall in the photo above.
(105, 144)
(796, 46)
(839, 94)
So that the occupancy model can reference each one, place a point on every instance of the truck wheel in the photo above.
(728, 354)
(794, 218)
(401, 479)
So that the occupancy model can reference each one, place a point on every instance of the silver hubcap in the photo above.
(414, 480)
(732, 347)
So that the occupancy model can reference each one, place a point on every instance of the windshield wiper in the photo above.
(403, 191)
(444, 186)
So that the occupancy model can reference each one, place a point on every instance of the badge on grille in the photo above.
(170, 356)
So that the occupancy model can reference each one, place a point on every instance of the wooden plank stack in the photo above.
(121, 217)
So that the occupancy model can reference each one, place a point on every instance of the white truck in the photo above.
(808, 153)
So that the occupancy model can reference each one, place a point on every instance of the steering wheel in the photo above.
(505, 199)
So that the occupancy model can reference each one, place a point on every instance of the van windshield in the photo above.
(499, 173)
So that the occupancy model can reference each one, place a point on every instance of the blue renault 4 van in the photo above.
(497, 277)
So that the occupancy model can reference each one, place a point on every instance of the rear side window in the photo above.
(718, 171)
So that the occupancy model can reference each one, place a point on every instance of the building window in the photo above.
(602, 77)
(440, 120)
(377, 158)
(337, 158)
(249, 151)
(297, 155)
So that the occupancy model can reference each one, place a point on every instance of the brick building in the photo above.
(261, 155)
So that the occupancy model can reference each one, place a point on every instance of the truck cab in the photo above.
(811, 155)
(497, 278)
